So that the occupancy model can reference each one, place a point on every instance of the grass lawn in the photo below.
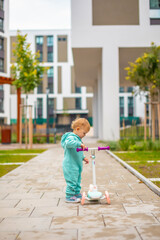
(22, 151)
(7, 157)
(148, 169)
(15, 158)
(139, 155)
(4, 169)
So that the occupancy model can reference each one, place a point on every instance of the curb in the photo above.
(151, 185)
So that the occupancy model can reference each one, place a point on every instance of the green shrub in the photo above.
(124, 144)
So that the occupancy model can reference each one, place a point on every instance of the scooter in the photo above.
(93, 193)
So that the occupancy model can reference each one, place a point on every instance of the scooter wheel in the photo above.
(83, 198)
(107, 197)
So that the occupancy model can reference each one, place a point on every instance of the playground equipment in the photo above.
(93, 193)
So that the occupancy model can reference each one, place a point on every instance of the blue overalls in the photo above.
(72, 163)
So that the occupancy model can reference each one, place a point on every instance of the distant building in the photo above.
(4, 61)
(106, 35)
(66, 99)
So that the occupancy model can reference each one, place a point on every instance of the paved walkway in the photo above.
(32, 203)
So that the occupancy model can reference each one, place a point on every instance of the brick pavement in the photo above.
(32, 203)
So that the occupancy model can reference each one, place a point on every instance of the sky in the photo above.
(39, 14)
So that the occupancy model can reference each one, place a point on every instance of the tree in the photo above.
(145, 71)
(26, 70)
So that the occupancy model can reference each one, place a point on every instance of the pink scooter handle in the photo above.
(99, 148)
(81, 149)
(103, 148)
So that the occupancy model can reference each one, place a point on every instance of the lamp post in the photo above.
(47, 108)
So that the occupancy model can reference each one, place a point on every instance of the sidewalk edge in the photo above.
(151, 185)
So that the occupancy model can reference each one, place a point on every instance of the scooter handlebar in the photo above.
(103, 148)
(99, 148)
(81, 149)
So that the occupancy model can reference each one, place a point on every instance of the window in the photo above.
(1, 24)
(78, 89)
(40, 88)
(1, 105)
(62, 39)
(51, 106)
(78, 103)
(50, 57)
(154, 4)
(121, 105)
(121, 89)
(40, 57)
(130, 107)
(1, 65)
(154, 12)
(39, 40)
(1, 4)
(130, 89)
(40, 107)
(50, 72)
(50, 41)
(50, 79)
(1, 44)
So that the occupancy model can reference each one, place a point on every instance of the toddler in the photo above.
(72, 162)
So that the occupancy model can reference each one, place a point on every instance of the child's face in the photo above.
(81, 132)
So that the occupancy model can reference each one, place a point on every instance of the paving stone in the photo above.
(77, 222)
(3, 195)
(142, 207)
(15, 212)
(152, 197)
(134, 219)
(24, 196)
(8, 203)
(8, 235)
(54, 211)
(117, 233)
(52, 195)
(101, 209)
(38, 203)
(151, 232)
(157, 215)
(59, 234)
(25, 224)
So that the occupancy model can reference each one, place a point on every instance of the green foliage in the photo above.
(26, 71)
(124, 144)
(145, 71)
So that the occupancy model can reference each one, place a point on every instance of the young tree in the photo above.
(145, 71)
(26, 70)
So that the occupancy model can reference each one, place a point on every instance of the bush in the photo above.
(124, 144)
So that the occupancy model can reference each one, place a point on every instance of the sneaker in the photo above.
(79, 195)
(73, 199)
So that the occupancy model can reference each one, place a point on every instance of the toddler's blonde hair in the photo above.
(80, 122)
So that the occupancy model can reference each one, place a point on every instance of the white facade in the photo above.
(107, 39)
(5, 113)
(65, 76)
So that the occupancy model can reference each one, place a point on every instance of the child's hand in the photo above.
(83, 146)
(86, 160)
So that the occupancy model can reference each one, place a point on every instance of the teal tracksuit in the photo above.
(72, 163)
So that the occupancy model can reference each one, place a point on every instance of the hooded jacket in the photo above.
(72, 158)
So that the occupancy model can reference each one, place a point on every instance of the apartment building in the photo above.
(106, 35)
(66, 100)
(4, 61)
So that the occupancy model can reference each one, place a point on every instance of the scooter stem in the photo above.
(93, 166)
